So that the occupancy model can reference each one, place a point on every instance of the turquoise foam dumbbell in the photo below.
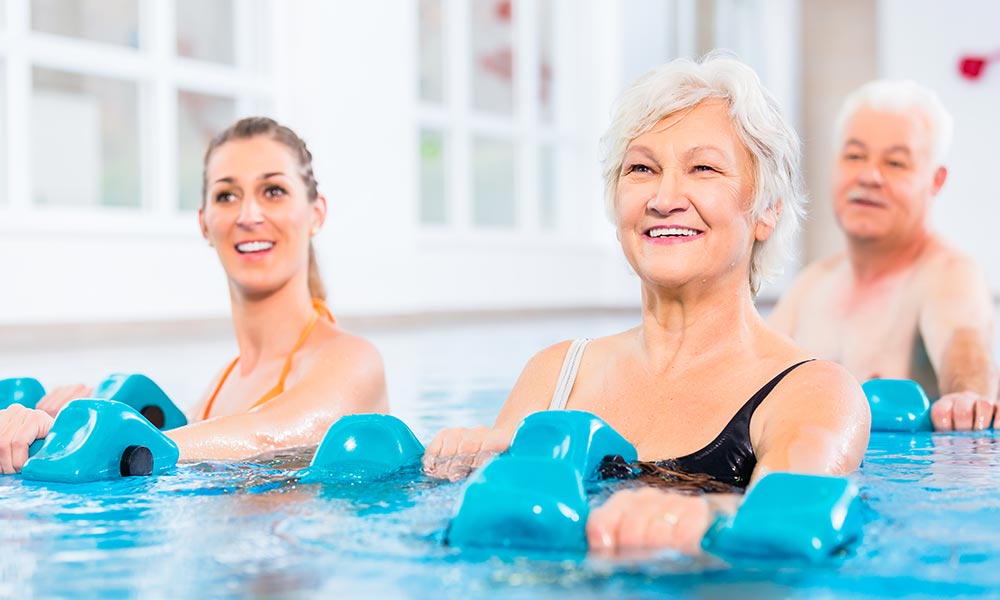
(524, 503)
(789, 515)
(142, 394)
(898, 405)
(20, 390)
(95, 439)
(364, 448)
(533, 497)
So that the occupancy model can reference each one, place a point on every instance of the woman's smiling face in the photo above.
(683, 198)
(258, 215)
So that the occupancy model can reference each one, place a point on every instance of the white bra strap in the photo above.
(567, 376)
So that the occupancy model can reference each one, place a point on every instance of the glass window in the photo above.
(199, 118)
(205, 30)
(492, 43)
(433, 202)
(431, 51)
(493, 183)
(108, 21)
(85, 141)
(547, 189)
(3, 131)
(546, 58)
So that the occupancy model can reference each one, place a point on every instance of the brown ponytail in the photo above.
(251, 127)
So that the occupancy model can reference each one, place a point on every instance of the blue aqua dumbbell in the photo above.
(790, 516)
(364, 448)
(533, 496)
(142, 394)
(95, 439)
(21, 390)
(898, 405)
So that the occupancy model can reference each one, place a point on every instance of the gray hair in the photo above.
(902, 96)
(773, 146)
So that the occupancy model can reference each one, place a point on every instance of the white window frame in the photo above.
(159, 75)
(460, 124)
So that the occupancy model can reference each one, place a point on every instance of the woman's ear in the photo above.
(318, 214)
(201, 224)
(765, 227)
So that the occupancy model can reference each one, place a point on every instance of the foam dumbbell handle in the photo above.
(364, 448)
(522, 503)
(142, 394)
(898, 405)
(93, 439)
(580, 438)
(790, 516)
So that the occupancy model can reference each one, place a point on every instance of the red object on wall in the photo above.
(972, 67)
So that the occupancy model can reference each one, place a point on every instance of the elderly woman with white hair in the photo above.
(702, 182)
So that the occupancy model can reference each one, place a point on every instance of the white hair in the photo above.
(773, 146)
(902, 96)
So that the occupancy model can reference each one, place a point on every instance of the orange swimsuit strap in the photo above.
(321, 310)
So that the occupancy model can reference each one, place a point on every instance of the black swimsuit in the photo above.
(730, 458)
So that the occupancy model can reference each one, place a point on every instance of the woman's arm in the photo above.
(346, 377)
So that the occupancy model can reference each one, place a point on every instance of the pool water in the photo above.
(252, 530)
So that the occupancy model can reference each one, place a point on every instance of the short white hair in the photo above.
(772, 144)
(902, 96)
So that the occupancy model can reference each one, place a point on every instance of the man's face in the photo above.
(884, 179)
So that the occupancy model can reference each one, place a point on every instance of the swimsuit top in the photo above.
(321, 310)
(728, 458)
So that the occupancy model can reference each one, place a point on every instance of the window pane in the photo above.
(3, 130)
(109, 21)
(491, 39)
(547, 189)
(433, 202)
(205, 30)
(199, 118)
(546, 58)
(493, 183)
(85, 140)
(431, 51)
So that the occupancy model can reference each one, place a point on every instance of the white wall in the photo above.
(923, 40)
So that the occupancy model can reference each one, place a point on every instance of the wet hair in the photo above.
(901, 96)
(251, 127)
(772, 144)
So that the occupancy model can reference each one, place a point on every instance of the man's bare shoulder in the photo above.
(819, 270)
(943, 262)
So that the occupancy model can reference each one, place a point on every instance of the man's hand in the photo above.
(59, 397)
(962, 411)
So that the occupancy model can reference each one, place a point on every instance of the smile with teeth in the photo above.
(255, 246)
(659, 232)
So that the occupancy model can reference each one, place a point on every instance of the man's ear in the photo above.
(765, 227)
(940, 175)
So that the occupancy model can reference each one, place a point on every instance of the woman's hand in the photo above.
(59, 397)
(19, 427)
(648, 518)
(454, 453)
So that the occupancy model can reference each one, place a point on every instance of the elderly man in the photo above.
(899, 302)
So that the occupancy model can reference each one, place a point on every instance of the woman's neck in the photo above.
(267, 327)
(678, 328)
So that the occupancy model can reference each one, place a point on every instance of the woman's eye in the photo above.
(274, 192)
(704, 169)
(637, 168)
(224, 197)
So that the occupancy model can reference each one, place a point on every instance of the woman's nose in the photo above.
(250, 213)
(669, 196)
